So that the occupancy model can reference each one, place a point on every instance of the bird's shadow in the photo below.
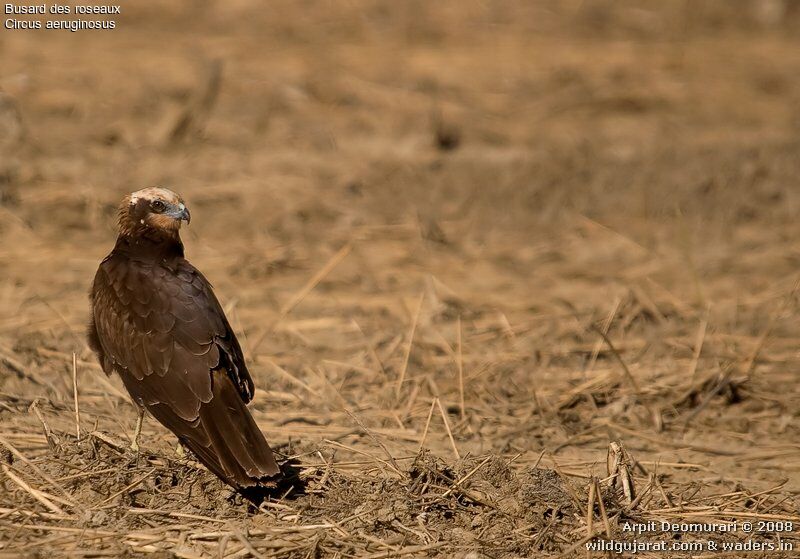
(288, 486)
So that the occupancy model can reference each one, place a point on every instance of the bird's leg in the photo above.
(138, 430)
(180, 451)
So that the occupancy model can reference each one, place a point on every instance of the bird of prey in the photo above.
(157, 323)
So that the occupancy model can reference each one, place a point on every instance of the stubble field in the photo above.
(466, 247)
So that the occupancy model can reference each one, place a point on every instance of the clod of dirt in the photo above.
(448, 137)
(544, 490)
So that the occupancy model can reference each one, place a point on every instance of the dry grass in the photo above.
(466, 248)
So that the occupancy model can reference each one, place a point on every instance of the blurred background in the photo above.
(297, 122)
(386, 195)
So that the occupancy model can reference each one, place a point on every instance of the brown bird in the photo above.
(156, 323)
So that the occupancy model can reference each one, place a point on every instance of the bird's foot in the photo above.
(137, 431)
(180, 451)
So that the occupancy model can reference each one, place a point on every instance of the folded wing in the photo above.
(163, 330)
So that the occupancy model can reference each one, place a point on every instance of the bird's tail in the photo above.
(226, 439)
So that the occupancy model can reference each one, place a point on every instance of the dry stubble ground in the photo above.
(505, 233)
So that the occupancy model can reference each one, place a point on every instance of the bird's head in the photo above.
(152, 210)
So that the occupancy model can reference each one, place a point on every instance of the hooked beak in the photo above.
(182, 213)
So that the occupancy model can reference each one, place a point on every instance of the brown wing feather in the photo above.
(161, 328)
(224, 437)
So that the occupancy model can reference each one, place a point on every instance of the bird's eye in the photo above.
(158, 206)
